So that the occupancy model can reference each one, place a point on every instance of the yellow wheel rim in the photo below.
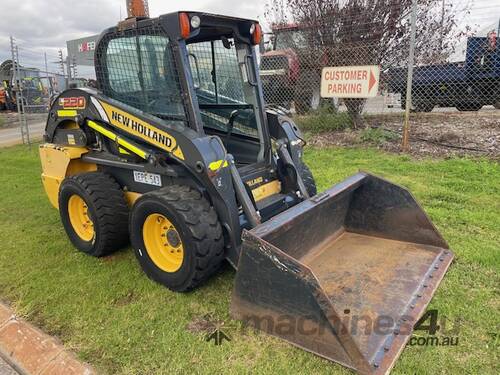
(163, 243)
(79, 218)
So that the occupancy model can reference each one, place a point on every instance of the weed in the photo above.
(376, 136)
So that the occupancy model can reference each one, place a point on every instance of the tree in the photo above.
(365, 32)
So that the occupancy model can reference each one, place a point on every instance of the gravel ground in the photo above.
(434, 134)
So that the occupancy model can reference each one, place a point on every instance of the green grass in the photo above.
(121, 322)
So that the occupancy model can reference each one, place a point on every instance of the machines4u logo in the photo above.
(439, 331)
(217, 336)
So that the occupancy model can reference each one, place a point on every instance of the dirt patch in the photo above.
(202, 324)
(437, 134)
(125, 300)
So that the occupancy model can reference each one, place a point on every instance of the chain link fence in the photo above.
(291, 76)
(448, 66)
(453, 64)
(29, 80)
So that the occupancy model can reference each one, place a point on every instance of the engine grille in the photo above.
(274, 63)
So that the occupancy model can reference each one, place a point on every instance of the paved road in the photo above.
(12, 136)
(5, 369)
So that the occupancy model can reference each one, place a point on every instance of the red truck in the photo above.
(291, 71)
(3, 99)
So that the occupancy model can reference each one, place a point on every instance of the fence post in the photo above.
(17, 85)
(68, 69)
(49, 83)
(409, 80)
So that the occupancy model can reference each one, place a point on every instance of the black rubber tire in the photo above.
(423, 106)
(107, 209)
(469, 107)
(198, 226)
(307, 178)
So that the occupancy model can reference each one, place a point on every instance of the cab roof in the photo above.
(212, 26)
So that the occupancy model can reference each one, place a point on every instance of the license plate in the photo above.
(147, 178)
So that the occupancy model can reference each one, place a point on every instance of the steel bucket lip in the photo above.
(385, 358)
(385, 355)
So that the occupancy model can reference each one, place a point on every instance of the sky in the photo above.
(44, 26)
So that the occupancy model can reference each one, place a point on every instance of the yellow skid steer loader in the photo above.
(177, 152)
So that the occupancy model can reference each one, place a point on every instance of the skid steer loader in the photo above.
(176, 151)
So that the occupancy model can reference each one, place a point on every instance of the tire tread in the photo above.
(204, 228)
(110, 207)
(307, 178)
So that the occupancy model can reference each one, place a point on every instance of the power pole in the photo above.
(409, 80)
(61, 62)
(49, 82)
(63, 69)
(442, 31)
(46, 65)
(68, 67)
(74, 67)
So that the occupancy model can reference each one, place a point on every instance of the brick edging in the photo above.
(32, 352)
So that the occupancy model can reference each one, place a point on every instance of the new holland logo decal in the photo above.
(142, 129)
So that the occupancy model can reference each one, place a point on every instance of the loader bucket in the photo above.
(345, 274)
